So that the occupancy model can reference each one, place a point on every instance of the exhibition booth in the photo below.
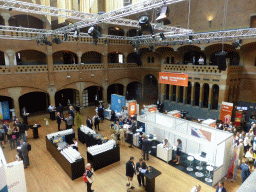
(207, 145)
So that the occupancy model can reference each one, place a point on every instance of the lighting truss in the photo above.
(208, 36)
(25, 30)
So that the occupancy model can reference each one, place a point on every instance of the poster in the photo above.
(179, 79)
(152, 109)
(201, 133)
(117, 102)
(132, 108)
(4, 110)
(226, 112)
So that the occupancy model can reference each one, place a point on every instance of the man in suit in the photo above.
(72, 112)
(221, 187)
(245, 170)
(60, 109)
(51, 111)
(145, 147)
(130, 171)
(89, 122)
(96, 122)
(125, 120)
(24, 152)
(59, 118)
(140, 165)
(70, 122)
(24, 116)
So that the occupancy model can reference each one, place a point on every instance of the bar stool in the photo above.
(208, 179)
(190, 158)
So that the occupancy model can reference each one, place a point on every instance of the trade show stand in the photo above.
(88, 138)
(164, 153)
(105, 158)
(73, 170)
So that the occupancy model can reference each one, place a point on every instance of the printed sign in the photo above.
(201, 133)
(4, 110)
(132, 108)
(179, 79)
(226, 112)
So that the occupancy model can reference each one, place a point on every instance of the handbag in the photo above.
(85, 178)
(13, 136)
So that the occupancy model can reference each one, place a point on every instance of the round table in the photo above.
(199, 158)
(208, 179)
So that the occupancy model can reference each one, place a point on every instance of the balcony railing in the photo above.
(92, 66)
(66, 67)
(122, 65)
(30, 68)
(5, 70)
(192, 69)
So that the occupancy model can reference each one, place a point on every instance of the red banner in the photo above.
(179, 79)
(226, 112)
(132, 108)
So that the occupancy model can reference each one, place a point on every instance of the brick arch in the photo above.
(73, 85)
(125, 81)
(186, 48)
(163, 50)
(25, 90)
(218, 47)
(27, 20)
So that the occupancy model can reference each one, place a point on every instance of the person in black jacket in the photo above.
(140, 165)
(101, 112)
(89, 174)
(60, 110)
(113, 116)
(89, 122)
(96, 122)
(145, 148)
(59, 118)
(130, 171)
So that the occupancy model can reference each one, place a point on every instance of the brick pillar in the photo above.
(50, 65)
(192, 93)
(177, 93)
(185, 95)
(125, 57)
(15, 95)
(201, 96)
(170, 92)
(52, 90)
(210, 96)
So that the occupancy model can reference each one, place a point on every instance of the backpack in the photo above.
(29, 147)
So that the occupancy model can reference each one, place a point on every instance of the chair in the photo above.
(190, 159)
(208, 178)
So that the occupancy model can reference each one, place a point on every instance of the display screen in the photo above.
(241, 108)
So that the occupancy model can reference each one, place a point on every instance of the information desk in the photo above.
(164, 153)
(88, 139)
(150, 179)
(73, 170)
(35, 130)
(104, 159)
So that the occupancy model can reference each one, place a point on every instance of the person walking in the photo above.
(101, 112)
(140, 176)
(145, 147)
(89, 122)
(70, 122)
(24, 152)
(245, 170)
(221, 187)
(10, 139)
(130, 171)
(88, 177)
(60, 110)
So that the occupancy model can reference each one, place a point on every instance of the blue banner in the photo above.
(117, 102)
(5, 110)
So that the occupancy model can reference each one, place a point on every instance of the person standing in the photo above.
(1, 136)
(59, 118)
(89, 177)
(68, 102)
(96, 122)
(24, 152)
(24, 115)
(240, 151)
(145, 147)
(101, 112)
(140, 165)
(122, 136)
(197, 188)
(113, 116)
(201, 61)
(60, 110)
(245, 170)
(130, 171)
(221, 187)
(96, 100)
(178, 152)
(70, 122)
(23, 128)
(72, 112)
(51, 108)
(9, 137)
(89, 122)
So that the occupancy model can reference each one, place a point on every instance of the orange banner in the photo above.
(226, 112)
(179, 79)
(152, 109)
(177, 115)
(132, 108)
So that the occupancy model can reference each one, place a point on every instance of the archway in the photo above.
(233, 57)
(150, 91)
(115, 57)
(215, 96)
(1, 20)
(27, 21)
(115, 31)
(193, 57)
(35, 102)
(31, 57)
(134, 91)
(133, 32)
(91, 57)
(10, 102)
(206, 95)
(64, 57)
(189, 93)
(167, 90)
(89, 95)
(132, 57)
(115, 89)
(197, 94)
(63, 95)
(2, 58)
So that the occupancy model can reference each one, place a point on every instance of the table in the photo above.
(88, 139)
(35, 130)
(199, 158)
(164, 153)
(150, 179)
(104, 159)
(73, 170)
(25, 118)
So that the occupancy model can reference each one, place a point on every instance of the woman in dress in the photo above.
(178, 152)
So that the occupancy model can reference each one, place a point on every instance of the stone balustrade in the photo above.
(205, 69)
(4, 70)
(30, 68)
(66, 67)
(92, 66)
(122, 65)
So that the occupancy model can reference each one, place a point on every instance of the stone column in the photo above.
(125, 57)
(125, 90)
(177, 93)
(105, 92)
(185, 94)
(201, 96)
(170, 92)
(192, 93)
(6, 17)
(50, 65)
(15, 95)
(79, 57)
(210, 97)
(52, 90)
(223, 92)
(12, 56)
(80, 86)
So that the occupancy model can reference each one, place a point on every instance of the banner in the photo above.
(201, 133)
(179, 79)
(4, 110)
(117, 102)
(226, 112)
(152, 109)
(132, 108)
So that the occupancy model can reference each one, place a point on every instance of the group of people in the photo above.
(220, 188)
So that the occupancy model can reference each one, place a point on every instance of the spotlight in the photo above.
(56, 40)
(162, 36)
(76, 34)
(151, 48)
(208, 41)
(174, 43)
(65, 37)
(198, 42)
(162, 15)
(181, 43)
(237, 43)
(47, 42)
(145, 25)
(10, 9)
(95, 34)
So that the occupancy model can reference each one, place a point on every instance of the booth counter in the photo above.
(89, 139)
(164, 153)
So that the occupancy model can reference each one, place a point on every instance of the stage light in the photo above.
(151, 48)
(10, 9)
(162, 36)
(65, 37)
(76, 34)
(145, 25)
(56, 40)
(198, 42)
(237, 43)
(47, 43)
(162, 15)
(208, 41)
(181, 43)
(95, 34)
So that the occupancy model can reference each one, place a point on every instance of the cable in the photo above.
(189, 3)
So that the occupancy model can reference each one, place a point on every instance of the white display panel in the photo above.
(160, 134)
(151, 117)
(220, 154)
(171, 138)
(193, 147)
(181, 125)
(164, 120)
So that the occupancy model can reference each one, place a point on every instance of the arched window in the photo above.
(27, 21)
(115, 57)
(115, 31)
(64, 57)
(189, 93)
(31, 57)
(206, 95)
(197, 94)
(215, 96)
(91, 57)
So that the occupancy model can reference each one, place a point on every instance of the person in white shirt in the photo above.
(166, 143)
(52, 115)
(201, 60)
(197, 188)
(75, 144)
(246, 142)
